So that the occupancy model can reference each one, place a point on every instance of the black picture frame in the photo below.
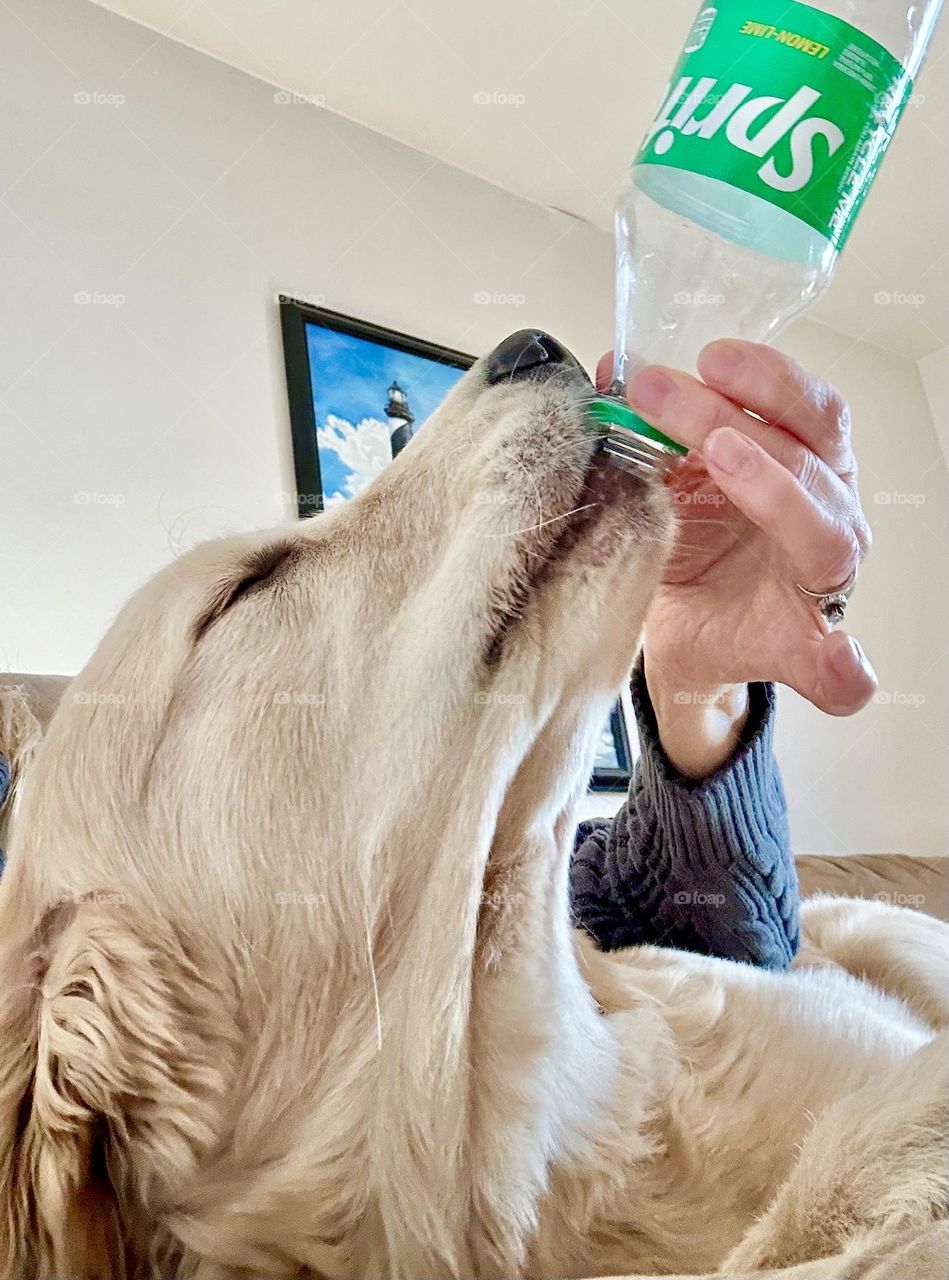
(609, 778)
(294, 317)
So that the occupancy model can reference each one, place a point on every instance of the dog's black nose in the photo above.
(525, 352)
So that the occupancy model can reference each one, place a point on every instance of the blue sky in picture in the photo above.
(349, 380)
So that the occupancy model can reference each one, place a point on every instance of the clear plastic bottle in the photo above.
(749, 179)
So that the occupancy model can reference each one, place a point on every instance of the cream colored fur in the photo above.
(288, 983)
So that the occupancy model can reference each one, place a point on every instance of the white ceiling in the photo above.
(581, 80)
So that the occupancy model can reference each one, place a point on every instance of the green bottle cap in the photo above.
(614, 413)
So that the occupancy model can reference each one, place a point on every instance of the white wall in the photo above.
(934, 371)
(879, 781)
(131, 431)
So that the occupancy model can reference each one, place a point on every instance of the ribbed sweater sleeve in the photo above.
(702, 865)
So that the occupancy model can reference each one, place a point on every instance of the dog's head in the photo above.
(338, 762)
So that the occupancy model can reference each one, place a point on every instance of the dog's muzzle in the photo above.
(529, 353)
(623, 437)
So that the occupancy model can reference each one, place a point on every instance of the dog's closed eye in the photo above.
(261, 568)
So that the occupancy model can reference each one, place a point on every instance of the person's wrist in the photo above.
(700, 722)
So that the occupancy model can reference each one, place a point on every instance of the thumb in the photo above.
(604, 371)
(835, 675)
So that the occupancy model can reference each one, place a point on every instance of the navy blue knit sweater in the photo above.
(700, 865)
(703, 866)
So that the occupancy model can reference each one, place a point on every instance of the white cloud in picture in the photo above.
(363, 451)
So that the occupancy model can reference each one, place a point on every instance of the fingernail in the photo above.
(604, 371)
(649, 389)
(730, 452)
(723, 361)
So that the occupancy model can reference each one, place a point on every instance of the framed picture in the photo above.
(358, 393)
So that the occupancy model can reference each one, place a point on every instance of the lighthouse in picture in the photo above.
(400, 418)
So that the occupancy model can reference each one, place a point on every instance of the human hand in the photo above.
(766, 499)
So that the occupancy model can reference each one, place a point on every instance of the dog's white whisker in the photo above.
(543, 524)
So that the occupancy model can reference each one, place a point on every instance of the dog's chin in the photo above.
(619, 528)
(617, 508)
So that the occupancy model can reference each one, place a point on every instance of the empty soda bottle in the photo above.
(749, 180)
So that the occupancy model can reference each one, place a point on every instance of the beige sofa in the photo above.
(922, 883)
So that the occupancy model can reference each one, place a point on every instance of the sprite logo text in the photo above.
(757, 126)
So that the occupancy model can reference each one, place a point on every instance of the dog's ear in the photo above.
(115, 1065)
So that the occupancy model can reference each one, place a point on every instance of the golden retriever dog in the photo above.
(288, 981)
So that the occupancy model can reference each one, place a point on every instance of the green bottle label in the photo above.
(779, 100)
